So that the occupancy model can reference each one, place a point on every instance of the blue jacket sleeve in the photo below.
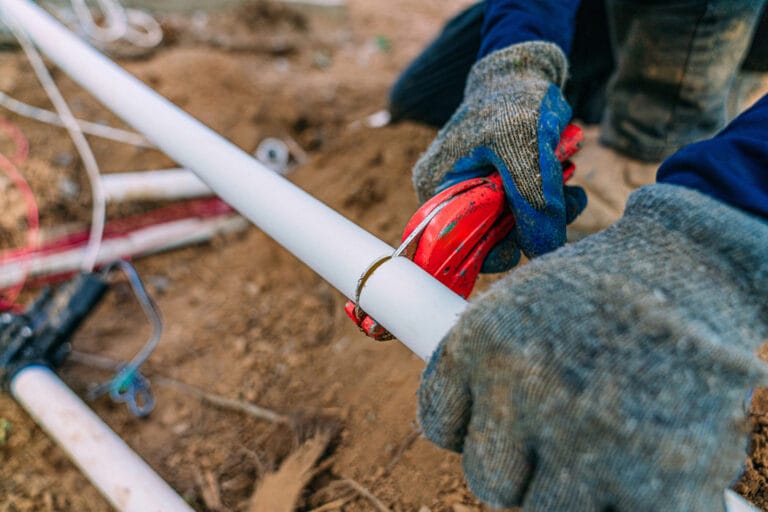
(508, 22)
(732, 166)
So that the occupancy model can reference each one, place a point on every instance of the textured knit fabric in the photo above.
(612, 373)
(510, 122)
(732, 166)
(508, 22)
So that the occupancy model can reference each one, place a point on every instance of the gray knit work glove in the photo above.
(510, 121)
(613, 373)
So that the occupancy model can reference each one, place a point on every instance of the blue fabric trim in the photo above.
(542, 231)
(516, 21)
(732, 166)
(432, 363)
(538, 231)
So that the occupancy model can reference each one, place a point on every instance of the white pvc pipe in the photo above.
(331, 245)
(122, 476)
(735, 503)
(140, 242)
(421, 320)
(165, 184)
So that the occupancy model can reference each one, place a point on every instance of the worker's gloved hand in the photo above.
(510, 121)
(613, 373)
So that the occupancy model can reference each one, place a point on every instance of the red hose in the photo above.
(9, 167)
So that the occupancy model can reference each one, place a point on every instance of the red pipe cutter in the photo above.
(452, 233)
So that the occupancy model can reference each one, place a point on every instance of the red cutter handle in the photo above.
(474, 218)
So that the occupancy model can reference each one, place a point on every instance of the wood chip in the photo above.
(280, 491)
(209, 489)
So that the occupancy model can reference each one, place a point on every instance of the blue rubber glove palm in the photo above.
(510, 121)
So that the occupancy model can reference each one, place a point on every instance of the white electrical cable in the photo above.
(143, 29)
(114, 26)
(135, 26)
(95, 129)
(86, 154)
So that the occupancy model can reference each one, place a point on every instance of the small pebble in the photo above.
(180, 428)
(68, 188)
(322, 60)
(63, 159)
(159, 284)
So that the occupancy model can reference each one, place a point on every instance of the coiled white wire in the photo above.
(95, 129)
(132, 25)
(138, 28)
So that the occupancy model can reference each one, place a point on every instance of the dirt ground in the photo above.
(244, 319)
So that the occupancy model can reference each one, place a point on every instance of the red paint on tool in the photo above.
(474, 218)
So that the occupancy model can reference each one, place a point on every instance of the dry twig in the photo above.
(333, 505)
(396, 456)
(224, 402)
(105, 363)
(280, 491)
(365, 493)
(209, 489)
(404, 446)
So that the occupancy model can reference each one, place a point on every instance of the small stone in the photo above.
(252, 289)
(158, 284)
(322, 60)
(239, 345)
(180, 428)
(199, 21)
(454, 497)
(282, 65)
(69, 189)
(63, 159)
(5, 429)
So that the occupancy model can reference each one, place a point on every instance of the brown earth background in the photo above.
(244, 319)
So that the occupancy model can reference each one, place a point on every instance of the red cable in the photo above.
(9, 166)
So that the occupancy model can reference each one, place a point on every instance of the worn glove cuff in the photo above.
(536, 60)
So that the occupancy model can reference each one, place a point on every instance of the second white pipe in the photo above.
(99, 453)
(165, 184)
